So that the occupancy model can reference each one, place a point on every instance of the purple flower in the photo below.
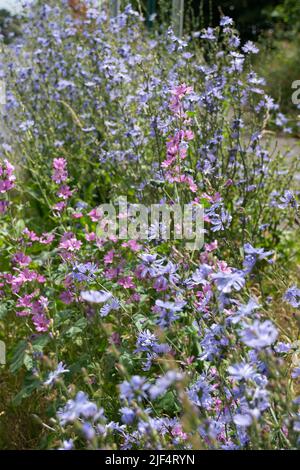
(67, 445)
(244, 311)
(62, 84)
(220, 221)
(260, 253)
(172, 306)
(151, 266)
(243, 420)
(84, 271)
(199, 276)
(200, 393)
(95, 296)
(135, 388)
(128, 415)
(163, 383)
(226, 21)
(237, 62)
(260, 400)
(168, 311)
(213, 342)
(288, 199)
(292, 296)
(60, 172)
(259, 335)
(53, 376)
(225, 282)
(281, 120)
(296, 426)
(148, 342)
(112, 305)
(88, 431)
(209, 34)
(241, 371)
(250, 47)
(282, 348)
(296, 373)
(74, 409)
(234, 41)
(253, 255)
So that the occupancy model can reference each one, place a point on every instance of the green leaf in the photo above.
(77, 328)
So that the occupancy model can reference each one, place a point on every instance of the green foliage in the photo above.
(288, 12)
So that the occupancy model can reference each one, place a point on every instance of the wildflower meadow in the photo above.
(149, 239)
